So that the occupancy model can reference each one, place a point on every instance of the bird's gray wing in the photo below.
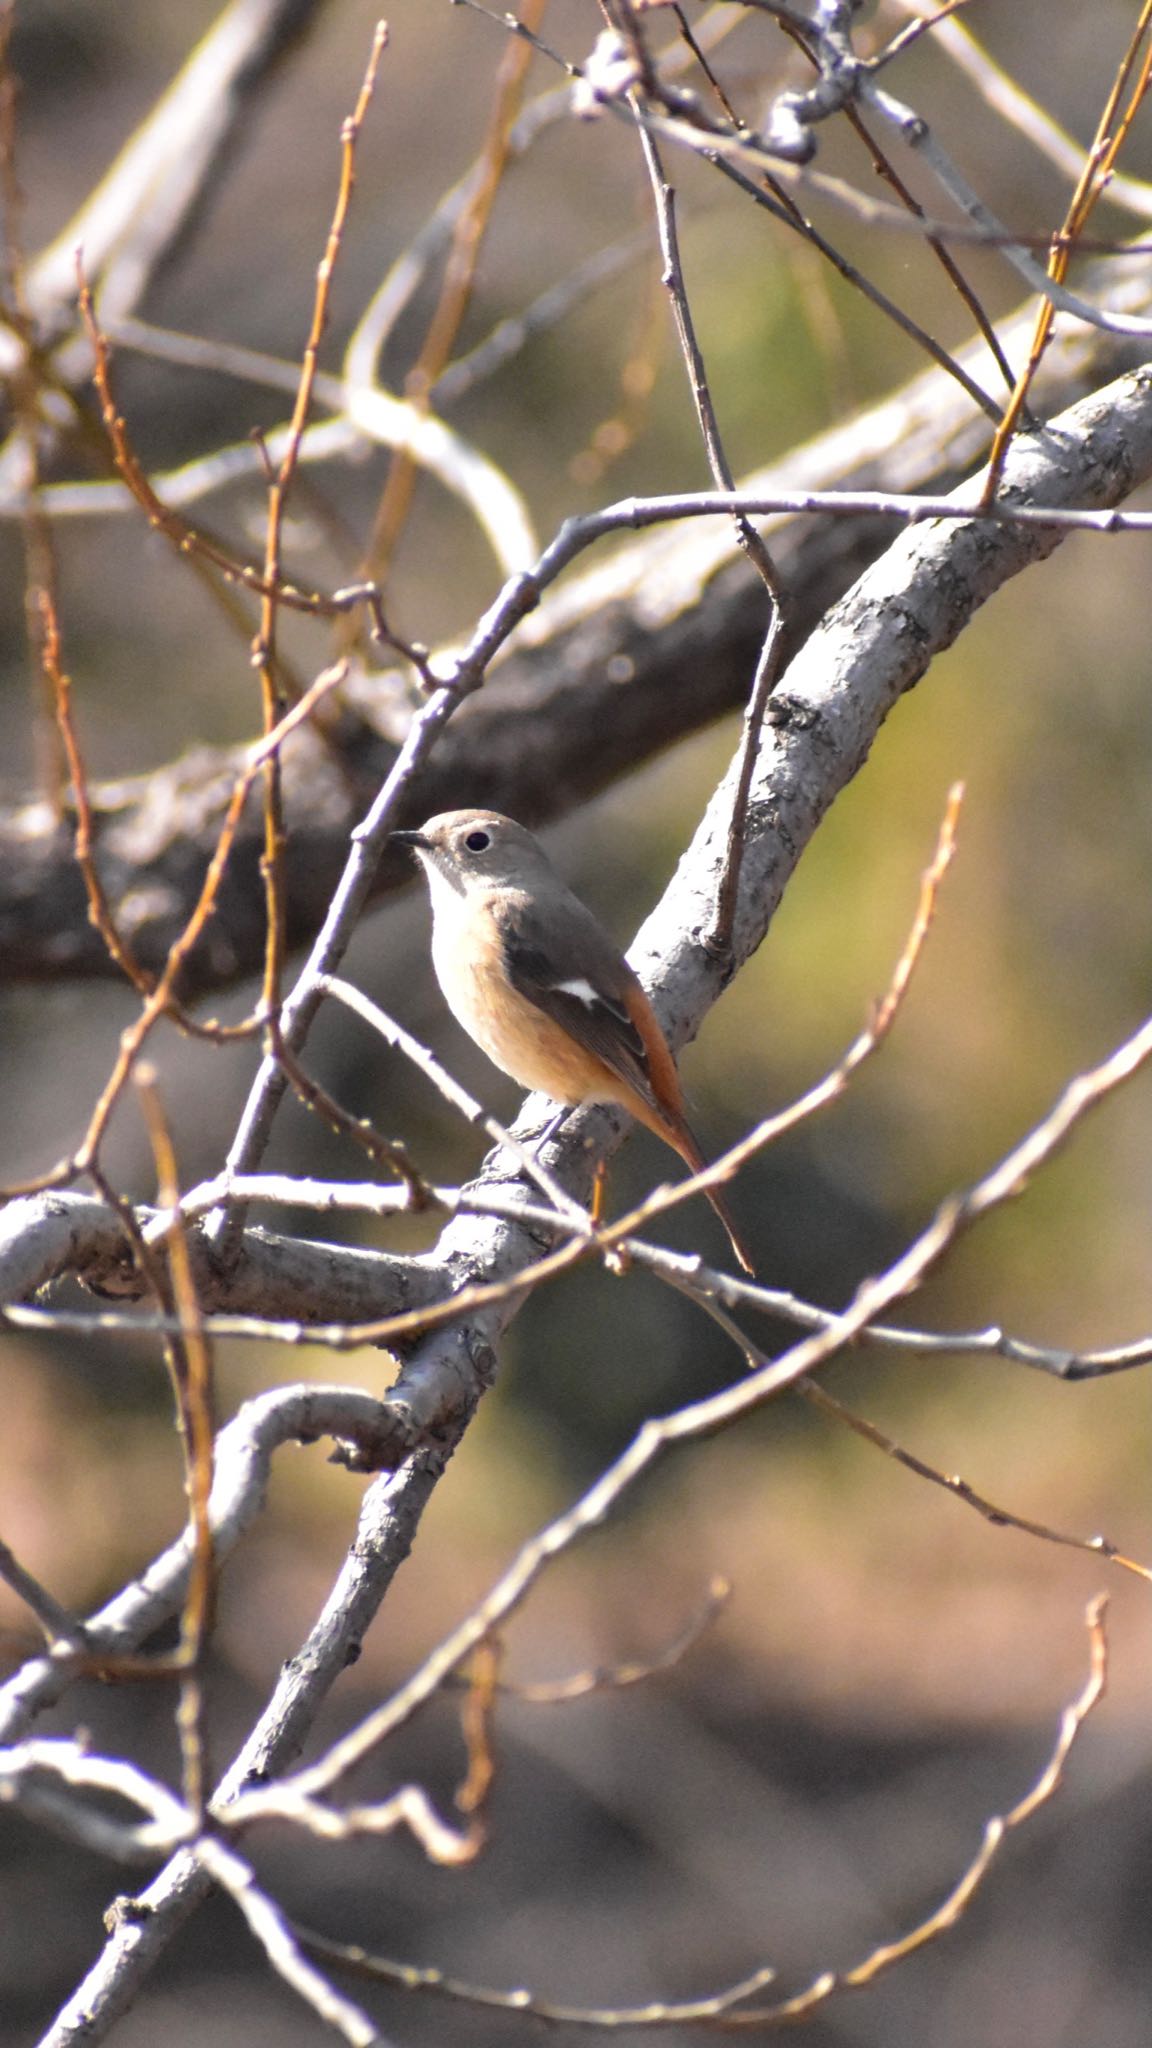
(587, 992)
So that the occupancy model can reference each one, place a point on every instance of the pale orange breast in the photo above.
(522, 1041)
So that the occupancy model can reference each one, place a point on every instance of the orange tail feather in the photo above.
(680, 1137)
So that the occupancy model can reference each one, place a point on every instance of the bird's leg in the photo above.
(599, 1178)
(552, 1126)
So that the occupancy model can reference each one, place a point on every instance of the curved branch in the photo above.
(44, 1237)
(243, 1462)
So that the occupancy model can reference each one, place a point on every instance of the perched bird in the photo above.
(539, 985)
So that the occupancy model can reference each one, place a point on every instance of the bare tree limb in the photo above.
(644, 648)
(44, 1237)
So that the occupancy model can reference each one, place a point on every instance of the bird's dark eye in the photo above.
(478, 842)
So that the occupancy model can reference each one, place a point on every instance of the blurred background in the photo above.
(814, 1776)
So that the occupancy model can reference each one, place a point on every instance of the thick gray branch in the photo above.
(44, 1237)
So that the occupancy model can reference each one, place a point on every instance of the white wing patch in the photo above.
(582, 990)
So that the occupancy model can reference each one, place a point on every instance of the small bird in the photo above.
(539, 985)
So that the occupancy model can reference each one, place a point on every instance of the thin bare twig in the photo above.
(270, 1926)
(190, 1366)
(455, 293)
(811, 1391)
(718, 937)
(951, 1482)
(885, 169)
(638, 1671)
(161, 516)
(387, 1152)
(163, 995)
(1111, 131)
(264, 645)
(728, 2011)
(1009, 101)
(99, 908)
(409, 1807)
(58, 1624)
(673, 279)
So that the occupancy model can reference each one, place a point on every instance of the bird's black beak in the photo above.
(408, 839)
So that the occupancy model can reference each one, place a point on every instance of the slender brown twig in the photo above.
(99, 908)
(24, 387)
(185, 538)
(191, 1370)
(264, 646)
(455, 293)
(729, 2010)
(159, 1002)
(1092, 183)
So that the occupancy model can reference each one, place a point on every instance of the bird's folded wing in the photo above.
(587, 995)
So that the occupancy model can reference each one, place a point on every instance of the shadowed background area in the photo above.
(814, 1775)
